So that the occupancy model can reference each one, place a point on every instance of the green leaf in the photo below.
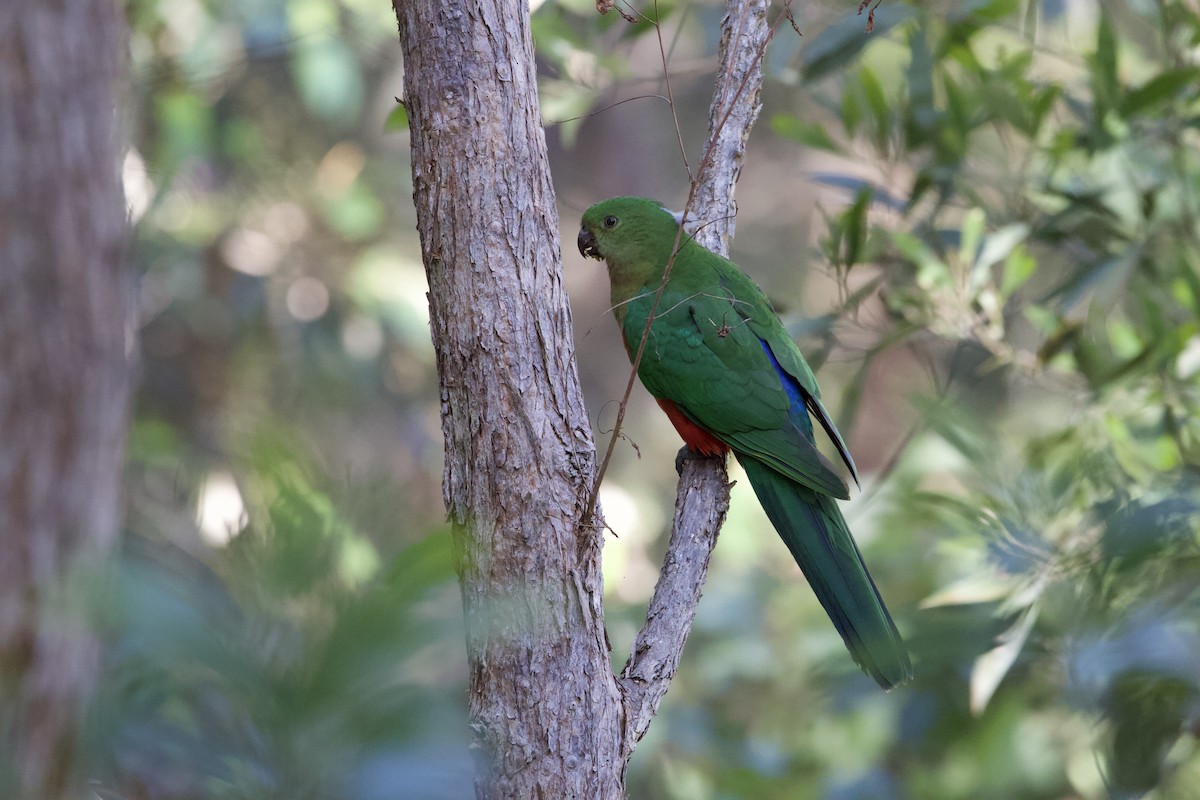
(1043, 101)
(1103, 277)
(1106, 52)
(962, 105)
(1018, 268)
(921, 184)
(855, 227)
(397, 120)
(565, 104)
(991, 667)
(987, 10)
(186, 125)
(1159, 89)
(931, 270)
(851, 112)
(877, 102)
(999, 244)
(646, 18)
(972, 235)
(811, 134)
(921, 115)
(356, 214)
(1103, 64)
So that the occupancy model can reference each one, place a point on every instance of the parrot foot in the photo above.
(685, 454)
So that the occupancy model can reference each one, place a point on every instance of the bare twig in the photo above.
(870, 14)
(662, 52)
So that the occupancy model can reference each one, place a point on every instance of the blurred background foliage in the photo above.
(981, 223)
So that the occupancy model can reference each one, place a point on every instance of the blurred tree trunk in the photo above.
(63, 367)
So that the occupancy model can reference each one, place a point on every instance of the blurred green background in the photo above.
(982, 223)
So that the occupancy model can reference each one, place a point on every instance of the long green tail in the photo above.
(813, 529)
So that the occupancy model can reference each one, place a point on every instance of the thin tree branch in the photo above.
(699, 513)
(735, 108)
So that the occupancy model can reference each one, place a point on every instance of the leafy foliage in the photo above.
(1047, 250)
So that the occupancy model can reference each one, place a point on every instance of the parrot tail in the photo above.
(813, 529)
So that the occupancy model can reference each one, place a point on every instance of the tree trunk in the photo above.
(550, 718)
(63, 366)
(544, 703)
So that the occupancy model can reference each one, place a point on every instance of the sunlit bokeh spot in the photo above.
(220, 512)
(339, 168)
(285, 222)
(362, 337)
(139, 189)
(250, 252)
(629, 572)
(307, 299)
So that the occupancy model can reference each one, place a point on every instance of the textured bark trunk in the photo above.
(63, 365)
(551, 719)
(544, 704)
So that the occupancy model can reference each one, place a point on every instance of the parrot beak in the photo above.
(587, 244)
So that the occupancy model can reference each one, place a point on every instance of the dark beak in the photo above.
(587, 244)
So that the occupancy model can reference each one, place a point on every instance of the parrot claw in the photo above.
(685, 454)
(688, 453)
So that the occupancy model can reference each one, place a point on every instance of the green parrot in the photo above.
(722, 367)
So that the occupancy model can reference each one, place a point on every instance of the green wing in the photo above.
(706, 354)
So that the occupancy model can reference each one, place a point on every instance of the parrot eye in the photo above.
(610, 221)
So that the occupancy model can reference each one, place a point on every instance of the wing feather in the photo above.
(707, 355)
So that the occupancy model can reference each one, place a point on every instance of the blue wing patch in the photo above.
(800, 403)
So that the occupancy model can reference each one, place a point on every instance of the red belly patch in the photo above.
(695, 437)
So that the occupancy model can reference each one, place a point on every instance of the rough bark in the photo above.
(550, 718)
(736, 103)
(63, 364)
(544, 704)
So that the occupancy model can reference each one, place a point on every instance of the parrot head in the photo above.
(630, 233)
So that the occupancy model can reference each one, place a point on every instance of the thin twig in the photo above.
(609, 107)
(662, 53)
